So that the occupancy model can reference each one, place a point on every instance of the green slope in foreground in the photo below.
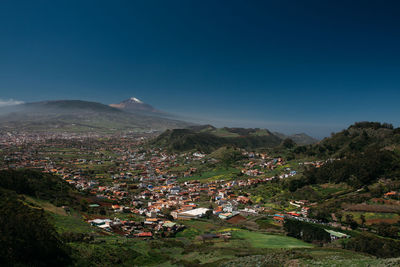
(261, 240)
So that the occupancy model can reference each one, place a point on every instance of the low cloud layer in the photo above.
(9, 102)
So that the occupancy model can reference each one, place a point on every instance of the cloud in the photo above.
(10, 102)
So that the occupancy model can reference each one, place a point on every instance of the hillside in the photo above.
(299, 139)
(28, 236)
(359, 156)
(208, 138)
(357, 138)
(80, 116)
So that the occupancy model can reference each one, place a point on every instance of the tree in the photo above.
(288, 143)
(387, 230)
(306, 231)
(351, 222)
(339, 216)
(102, 211)
(362, 217)
(208, 214)
(84, 205)
(353, 225)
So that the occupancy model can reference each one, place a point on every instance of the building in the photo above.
(336, 235)
(190, 214)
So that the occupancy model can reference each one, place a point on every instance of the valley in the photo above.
(130, 199)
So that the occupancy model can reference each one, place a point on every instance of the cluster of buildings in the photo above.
(260, 163)
(139, 180)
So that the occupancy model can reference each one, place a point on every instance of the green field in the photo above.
(71, 223)
(373, 217)
(267, 223)
(331, 189)
(224, 133)
(336, 257)
(311, 257)
(260, 240)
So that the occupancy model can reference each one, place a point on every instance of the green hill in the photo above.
(299, 139)
(358, 137)
(208, 139)
(28, 238)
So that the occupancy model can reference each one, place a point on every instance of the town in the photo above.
(137, 191)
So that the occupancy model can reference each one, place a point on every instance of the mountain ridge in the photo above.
(298, 138)
(80, 116)
(209, 138)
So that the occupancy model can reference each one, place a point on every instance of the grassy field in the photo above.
(62, 220)
(311, 257)
(260, 240)
(267, 223)
(71, 223)
(331, 189)
(338, 257)
(47, 206)
(244, 248)
(224, 133)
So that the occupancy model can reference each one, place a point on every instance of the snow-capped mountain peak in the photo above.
(136, 100)
(134, 104)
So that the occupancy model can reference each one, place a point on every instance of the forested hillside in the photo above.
(208, 141)
(27, 236)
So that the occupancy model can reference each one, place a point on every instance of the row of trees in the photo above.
(373, 125)
(306, 231)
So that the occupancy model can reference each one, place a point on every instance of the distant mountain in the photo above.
(300, 139)
(133, 104)
(208, 138)
(80, 116)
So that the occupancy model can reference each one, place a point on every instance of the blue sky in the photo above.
(293, 66)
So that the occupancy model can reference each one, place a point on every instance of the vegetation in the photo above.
(260, 240)
(188, 139)
(358, 169)
(355, 139)
(378, 246)
(37, 184)
(346, 188)
(26, 236)
(306, 231)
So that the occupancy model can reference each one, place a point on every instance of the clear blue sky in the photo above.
(294, 66)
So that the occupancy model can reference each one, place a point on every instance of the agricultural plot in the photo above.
(71, 223)
(375, 217)
(331, 189)
(260, 240)
(339, 257)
